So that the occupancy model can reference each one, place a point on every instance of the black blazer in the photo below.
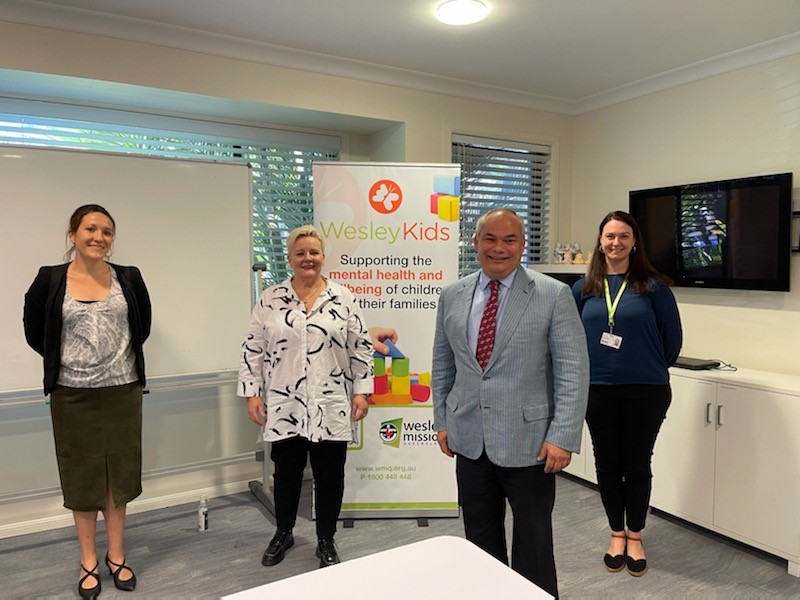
(43, 321)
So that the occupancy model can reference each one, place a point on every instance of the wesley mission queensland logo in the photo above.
(389, 432)
(395, 432)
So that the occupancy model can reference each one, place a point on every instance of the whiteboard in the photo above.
(185, 224)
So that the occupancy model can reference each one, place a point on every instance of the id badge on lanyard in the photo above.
(609, 338)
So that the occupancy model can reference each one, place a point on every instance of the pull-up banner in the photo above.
(392, 234)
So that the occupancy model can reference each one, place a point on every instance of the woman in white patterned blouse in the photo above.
(306, 371)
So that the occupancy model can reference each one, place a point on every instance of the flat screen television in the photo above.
(732, 234)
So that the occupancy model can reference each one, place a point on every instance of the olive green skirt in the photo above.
(98, 435)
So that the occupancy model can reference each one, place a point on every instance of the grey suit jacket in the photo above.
(535, 386)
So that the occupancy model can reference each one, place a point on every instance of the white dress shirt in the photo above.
(306, 366)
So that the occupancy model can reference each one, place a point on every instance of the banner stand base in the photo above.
(258, 491)
(349, 523)
(262, 490)
(419, 515)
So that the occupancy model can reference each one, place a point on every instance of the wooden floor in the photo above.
(173, 560)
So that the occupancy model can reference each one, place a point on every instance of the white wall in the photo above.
(734, 125)
(200, 441)
(194, 442)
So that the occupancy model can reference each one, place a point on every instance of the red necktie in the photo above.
(486, 331)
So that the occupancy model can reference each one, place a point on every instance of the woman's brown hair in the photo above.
(641, 272)
(77, 217)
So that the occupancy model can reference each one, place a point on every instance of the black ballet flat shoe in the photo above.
(615, 564)
(281, 542)
(326, 553)
(638, 567)
(92, 592)
(127, 585)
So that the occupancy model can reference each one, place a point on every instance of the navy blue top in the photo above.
(649, 325)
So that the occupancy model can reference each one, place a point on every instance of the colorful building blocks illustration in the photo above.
(394, 383)
(435, 203)
(420, 393)
(444, 184)
(449, 208)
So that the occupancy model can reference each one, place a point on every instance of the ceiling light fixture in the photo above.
(461, 12)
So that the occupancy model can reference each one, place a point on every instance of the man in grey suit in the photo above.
(513, 423)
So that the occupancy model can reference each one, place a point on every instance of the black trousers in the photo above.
(483, 489)
(624, 421)
(327, 466)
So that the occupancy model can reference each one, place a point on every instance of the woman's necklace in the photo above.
(313, 292)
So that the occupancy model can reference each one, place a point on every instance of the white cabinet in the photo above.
(728, 458)
(683, 459)
(757, 483)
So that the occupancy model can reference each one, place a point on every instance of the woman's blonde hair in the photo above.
(300, 232)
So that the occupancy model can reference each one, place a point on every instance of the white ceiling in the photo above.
(568, 56)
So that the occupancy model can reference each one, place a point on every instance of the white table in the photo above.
(440, 567)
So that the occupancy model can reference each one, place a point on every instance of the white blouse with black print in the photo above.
(306, 366)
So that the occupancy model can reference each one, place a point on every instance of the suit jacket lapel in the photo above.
(519, 296)
(462, 307)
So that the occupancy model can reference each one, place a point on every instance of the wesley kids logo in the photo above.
(389, 432)
(385, 196)
(431, 217)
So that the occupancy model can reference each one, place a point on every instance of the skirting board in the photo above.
(137, 506)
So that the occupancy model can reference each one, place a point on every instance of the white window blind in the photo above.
(499, 174)
(280, 163)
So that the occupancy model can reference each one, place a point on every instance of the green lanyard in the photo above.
(612, 306)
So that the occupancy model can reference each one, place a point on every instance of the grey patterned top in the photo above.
(306, 366)
(96, 346)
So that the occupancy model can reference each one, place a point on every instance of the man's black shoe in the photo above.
(326, 552)
(281, 542)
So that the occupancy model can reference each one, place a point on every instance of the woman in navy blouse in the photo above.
(633, 331)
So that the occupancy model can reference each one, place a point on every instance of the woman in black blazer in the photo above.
(88, 319)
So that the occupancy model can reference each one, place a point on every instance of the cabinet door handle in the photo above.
(719, 416)
(708, 413)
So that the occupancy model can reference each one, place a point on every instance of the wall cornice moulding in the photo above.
(43, 14)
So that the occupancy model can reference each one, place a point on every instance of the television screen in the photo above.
(722, 234)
